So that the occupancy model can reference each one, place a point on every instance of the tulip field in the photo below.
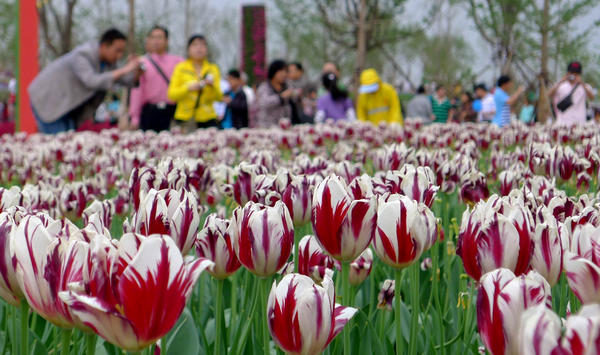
(337, 238)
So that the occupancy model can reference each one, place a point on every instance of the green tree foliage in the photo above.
(8, 33)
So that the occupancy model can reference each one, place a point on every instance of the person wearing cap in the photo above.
(571, 84)
(195, 86)
(377, 101)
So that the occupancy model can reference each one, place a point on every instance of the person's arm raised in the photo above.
(511, 100)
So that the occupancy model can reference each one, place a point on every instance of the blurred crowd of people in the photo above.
(189, 93)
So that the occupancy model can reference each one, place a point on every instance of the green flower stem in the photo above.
(266, 282)
(436, 295)
(346, 301)
(66, 341)
(219, 318)
(564, 292)
(163, 345)
(24, 327)
(13, 340)
(297, 238)
(397, 297)
(90, 343)
(233, 317)
(414, 323)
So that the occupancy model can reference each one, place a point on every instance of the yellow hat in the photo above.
(369, 81)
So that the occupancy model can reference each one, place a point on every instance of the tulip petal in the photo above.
(342, 315)
(104, 320)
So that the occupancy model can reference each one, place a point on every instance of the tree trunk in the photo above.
(131, 34)
(543, 108)
(361, 43)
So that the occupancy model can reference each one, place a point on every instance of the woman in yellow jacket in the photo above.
(377, 101)
(195, 87)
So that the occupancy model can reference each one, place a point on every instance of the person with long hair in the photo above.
(195, 86)
(335, 103)
(273, 97)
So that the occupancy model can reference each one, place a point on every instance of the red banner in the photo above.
(28, 64)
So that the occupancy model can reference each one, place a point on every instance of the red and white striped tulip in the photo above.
(303, 316)
(582, 334)
(473, 187)
(418, 183)
(547, 257)
(297, 196)
(404, 230)
(141, 181)
(361, 267)
(10, 197)
(386, 295)
(501, 300)
(10, 291)
(361, 187)
(104, 209)
(249, 178)
(46, 265)
(343, 226)
(540, 332)
(263, 237)
(582, 264)
(170, 212)
(509, 180)
(312, 259)
(132, 295)
(72, 200)
(215, 243)
(495, 234)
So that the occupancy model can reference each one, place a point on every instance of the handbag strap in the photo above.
(572, 90)
(162, 73)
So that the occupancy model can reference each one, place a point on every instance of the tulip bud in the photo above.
(582, 264)
(170, 212)
(297, 196)
(303, 316)
(312, 260)
(582, 334)
(46, 265)
(133, 293)
(104, 209)
(404, 231)
(547, 257)
(361, 267)
(215, 244)
(496, 233)
(262, 237)
(501, 300)
(540, 332)
(386, 295)
(10, 290)
(473, 188)
(343, 226)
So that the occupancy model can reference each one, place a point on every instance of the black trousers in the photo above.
(155, 118)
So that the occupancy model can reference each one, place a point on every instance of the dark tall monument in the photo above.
(254, 43)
